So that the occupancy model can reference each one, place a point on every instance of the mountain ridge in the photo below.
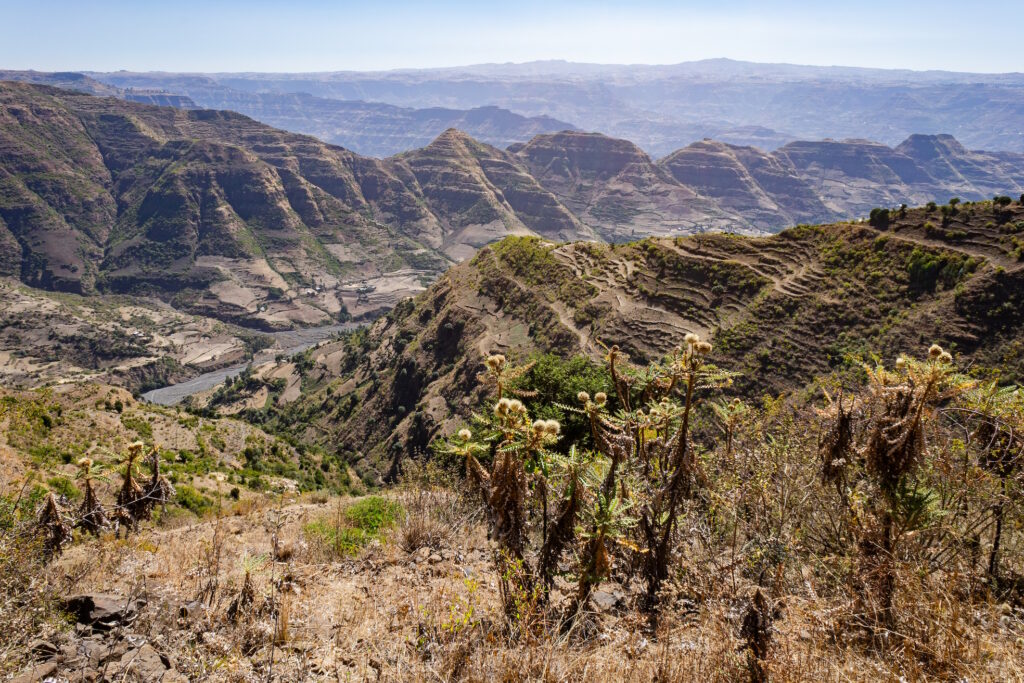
(227, 217)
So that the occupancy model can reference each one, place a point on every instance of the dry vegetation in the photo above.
(681, 535)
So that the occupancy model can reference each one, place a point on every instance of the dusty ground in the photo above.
(395, 612)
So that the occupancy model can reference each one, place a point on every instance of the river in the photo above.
(286, 343)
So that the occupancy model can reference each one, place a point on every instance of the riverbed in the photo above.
(287, 343)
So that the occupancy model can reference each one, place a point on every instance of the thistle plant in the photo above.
(997, 415)
(160, 490)
(54, 527)
(132, 504)
(92, 516)
(892, 500)
(525, 475)
(658, 403)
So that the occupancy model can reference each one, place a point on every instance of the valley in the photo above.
(490, 397)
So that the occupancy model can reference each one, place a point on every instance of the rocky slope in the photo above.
(804, 182)
(781, 310)
(615, 188)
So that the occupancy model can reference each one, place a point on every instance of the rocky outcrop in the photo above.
(102, 646)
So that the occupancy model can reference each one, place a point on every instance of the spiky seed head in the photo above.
(465, 434)
(691, 338)
(583, 397)
(946, 357)
(934, 351)
(600, 398)
(552, 427)
(703, 348)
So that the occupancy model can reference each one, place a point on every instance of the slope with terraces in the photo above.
(780, 310)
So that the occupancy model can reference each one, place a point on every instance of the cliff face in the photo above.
(764, 188)
(483, 194)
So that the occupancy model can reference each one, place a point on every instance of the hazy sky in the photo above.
(316, 35)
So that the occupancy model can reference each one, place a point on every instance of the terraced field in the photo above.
(780, 310)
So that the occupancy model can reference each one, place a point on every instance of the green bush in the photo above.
(63, 486)
(373, 514)
(362, 522)
(193, 501)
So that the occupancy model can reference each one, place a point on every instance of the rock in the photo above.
(607, 600)
(102, 611)
(191, 611)
(36, 673)
(145, 662)
(43, 649)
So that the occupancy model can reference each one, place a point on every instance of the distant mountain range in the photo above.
(225, 216)
(660, 108)
(367, 128)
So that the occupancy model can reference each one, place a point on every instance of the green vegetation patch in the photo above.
(356, 526)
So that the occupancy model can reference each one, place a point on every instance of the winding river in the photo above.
(286, 343)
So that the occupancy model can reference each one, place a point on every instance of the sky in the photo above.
(317, 35)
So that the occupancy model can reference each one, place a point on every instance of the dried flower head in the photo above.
(600, 398)
(465, 434)
(583, 397)
(502, 406)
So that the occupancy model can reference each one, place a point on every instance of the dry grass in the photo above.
(389, 615)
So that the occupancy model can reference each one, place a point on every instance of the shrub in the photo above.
(193, 501)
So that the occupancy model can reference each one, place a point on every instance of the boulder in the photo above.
(102, 611)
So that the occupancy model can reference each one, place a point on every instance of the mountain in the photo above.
(781, 310)
(370, 128)
(229, 217)
(226, 217)
(811, 181)
(616, 188)
(663, 108)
